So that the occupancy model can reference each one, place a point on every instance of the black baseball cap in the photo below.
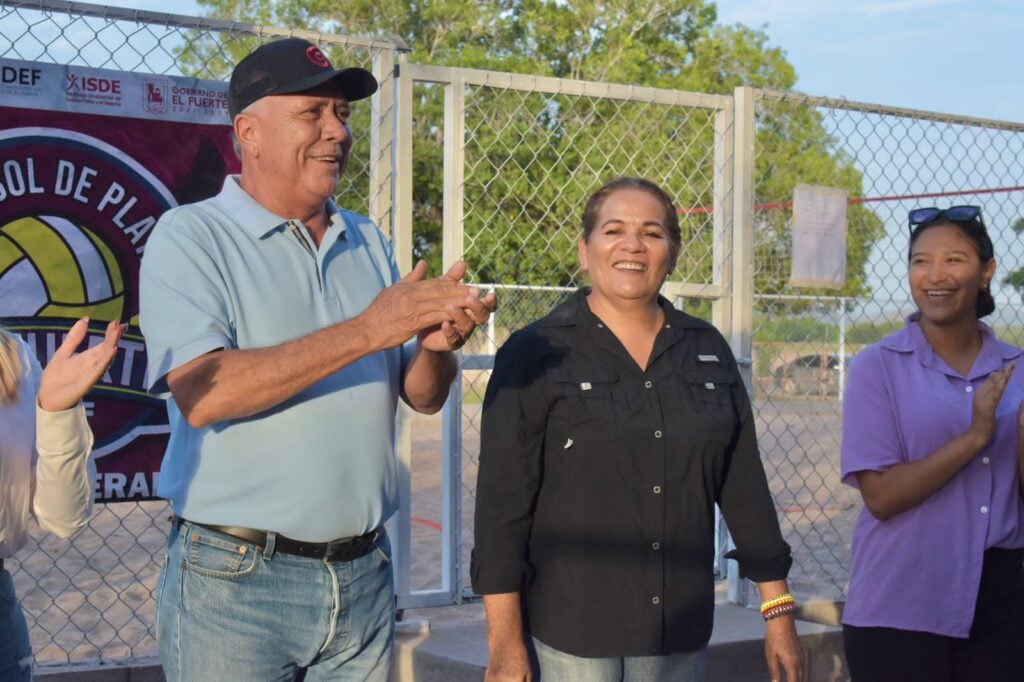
(288, 66)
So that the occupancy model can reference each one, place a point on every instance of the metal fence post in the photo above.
(452, 250)
(721, 307)
(382, 140)
(401, 239)
(742, 267)
(401, 234)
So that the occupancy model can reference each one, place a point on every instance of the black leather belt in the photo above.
(345, 549)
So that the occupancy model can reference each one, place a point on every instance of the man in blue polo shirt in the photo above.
(276, 324)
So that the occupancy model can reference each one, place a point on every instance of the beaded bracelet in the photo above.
(782, 610)
(779, 606)
(786, 598)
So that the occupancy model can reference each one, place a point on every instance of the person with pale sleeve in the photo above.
(931, 439)
(46, 472)
(281, 331)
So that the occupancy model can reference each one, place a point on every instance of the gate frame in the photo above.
(727, 294)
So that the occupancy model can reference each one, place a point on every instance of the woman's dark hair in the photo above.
(975, 231)
(596, 201)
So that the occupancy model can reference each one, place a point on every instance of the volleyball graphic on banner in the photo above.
(53, 267)
(85, 174)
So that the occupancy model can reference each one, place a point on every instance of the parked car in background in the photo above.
(809, 375)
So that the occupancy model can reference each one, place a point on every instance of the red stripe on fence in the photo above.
(426, 522)
(869, 200)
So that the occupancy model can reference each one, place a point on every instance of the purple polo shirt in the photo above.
(921, 569)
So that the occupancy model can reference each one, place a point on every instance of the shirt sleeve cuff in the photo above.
(499, 577)
(762, 569)
(66, 431)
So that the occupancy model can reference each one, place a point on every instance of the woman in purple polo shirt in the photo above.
(930, 438)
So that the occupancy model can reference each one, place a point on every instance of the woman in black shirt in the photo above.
(611, 428)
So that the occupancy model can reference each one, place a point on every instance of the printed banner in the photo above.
(89, 160)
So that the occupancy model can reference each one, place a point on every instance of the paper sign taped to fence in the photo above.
(819, 237)
(89, 160)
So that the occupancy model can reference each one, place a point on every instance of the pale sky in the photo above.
(953, 56)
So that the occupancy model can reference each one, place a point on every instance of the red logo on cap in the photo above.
(317, 57)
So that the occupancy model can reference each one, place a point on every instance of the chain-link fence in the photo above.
(520, 156)
(889, 161)
(92, 597)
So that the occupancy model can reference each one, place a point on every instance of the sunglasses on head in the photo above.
(920, 216)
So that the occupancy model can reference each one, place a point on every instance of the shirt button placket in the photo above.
(655, 465)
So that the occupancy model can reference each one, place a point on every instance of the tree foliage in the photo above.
(532, 159)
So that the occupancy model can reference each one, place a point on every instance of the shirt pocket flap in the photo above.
(583, 378)
(709, 382)
(585, 399)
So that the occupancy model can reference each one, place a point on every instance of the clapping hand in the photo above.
(69, 375)
(986, 399)
(441, 312)
(452, 333)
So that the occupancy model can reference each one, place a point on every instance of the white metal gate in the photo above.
(506, 137)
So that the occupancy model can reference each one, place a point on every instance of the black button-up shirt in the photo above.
(598, 482)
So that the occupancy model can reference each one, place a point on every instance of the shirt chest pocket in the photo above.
(584, 400)
(708, 393)
(708, 386)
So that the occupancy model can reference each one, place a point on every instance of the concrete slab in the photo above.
(449, 644)
(455, 649)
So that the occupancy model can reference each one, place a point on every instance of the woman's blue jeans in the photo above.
(558, 666)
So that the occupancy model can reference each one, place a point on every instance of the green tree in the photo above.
(532, 159)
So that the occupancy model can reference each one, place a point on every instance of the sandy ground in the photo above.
(93, 596)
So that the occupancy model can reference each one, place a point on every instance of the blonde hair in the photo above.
(10, 368)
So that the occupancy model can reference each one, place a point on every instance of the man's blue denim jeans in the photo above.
(229, 610)
(15, 651)
(558, 666)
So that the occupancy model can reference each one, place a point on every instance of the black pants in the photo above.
(994, 652)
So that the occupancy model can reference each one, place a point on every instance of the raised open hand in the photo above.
(69, 375)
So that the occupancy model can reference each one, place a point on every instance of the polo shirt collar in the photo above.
(911, 339)
(258, 221)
